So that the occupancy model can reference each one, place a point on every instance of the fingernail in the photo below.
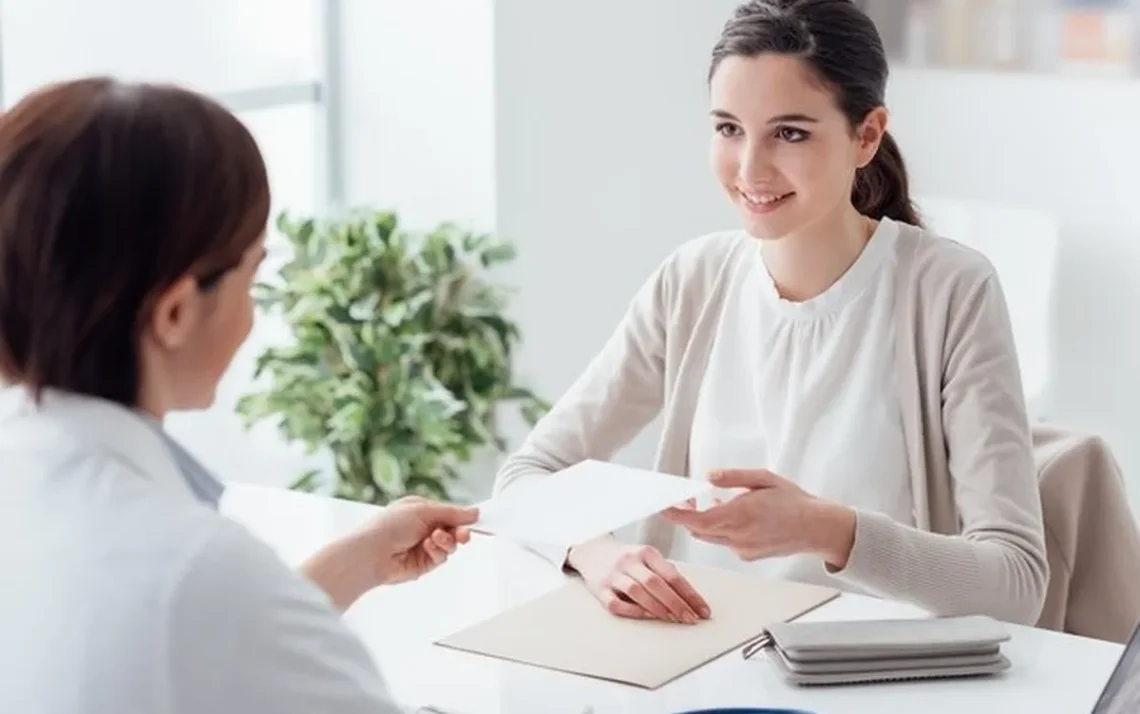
(706, 613)
(689, 619)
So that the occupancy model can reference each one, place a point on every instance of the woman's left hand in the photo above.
(774, 517)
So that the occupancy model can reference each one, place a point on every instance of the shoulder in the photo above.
(227, 557)
(941, 269)
(689, 273)
(705, 253)
(246, 631)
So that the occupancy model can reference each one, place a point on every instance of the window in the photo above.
(215, 46)
(264, 59)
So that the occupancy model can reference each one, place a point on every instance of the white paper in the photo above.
(582, 502)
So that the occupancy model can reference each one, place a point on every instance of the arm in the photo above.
(621, 390)
(997, 565)
(274, 642)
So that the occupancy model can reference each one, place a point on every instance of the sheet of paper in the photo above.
(582, 502)
(567, 630)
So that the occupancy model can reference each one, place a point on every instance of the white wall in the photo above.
(418, 117)
(601, 141)
(1069, 147)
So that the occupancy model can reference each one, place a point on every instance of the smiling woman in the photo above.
(798, 113)
(776, 354)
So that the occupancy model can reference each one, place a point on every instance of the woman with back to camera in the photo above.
(782, 360)
(132, 222)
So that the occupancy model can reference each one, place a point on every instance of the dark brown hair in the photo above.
(109, 194)
(841, 45)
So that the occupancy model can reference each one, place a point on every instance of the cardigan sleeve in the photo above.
(997, 564)
(619, 393)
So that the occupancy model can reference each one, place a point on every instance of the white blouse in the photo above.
(806, 390)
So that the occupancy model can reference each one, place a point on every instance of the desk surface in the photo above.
(1050, 673)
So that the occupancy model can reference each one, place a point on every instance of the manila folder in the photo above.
(569, 631)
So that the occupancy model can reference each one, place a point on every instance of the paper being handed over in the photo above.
(582, 502)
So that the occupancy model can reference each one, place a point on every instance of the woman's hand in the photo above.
(408, 539)
(637, 582)
(413, 536)
(774, 517)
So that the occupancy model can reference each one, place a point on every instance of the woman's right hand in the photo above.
(637, 582)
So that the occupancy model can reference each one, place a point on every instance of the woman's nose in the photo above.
(755, 166)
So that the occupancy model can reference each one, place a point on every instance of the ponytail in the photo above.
(882, 189)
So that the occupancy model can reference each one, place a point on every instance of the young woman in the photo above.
(846, 378)
(132, 221)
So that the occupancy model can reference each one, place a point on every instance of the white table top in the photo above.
(1051, 673)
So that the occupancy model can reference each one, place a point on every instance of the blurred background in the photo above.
(578, 132)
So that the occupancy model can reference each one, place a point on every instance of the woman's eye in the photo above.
(727, 129)
(791, 134)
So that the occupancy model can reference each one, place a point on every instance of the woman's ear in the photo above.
(175, 313)
(870, 134)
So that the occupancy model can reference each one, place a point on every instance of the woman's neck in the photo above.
(806, 264)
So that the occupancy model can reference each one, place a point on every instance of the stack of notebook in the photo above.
(884, 650)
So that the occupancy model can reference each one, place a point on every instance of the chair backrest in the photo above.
(1091, 537)
(1022, 244)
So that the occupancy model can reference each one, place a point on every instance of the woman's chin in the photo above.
(769, 225)
(767, 228)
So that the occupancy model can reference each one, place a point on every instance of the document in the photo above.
(567, 630)
(582, 502)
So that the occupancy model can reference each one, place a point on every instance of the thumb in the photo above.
(446, 515)
(744, 478)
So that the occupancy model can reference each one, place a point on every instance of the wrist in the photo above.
(344, 570)
(834, 537)
(581, 553)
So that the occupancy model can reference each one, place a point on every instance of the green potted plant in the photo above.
(400, 353)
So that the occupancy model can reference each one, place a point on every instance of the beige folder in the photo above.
(568, 630)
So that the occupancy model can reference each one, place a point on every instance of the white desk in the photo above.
(1051, 673)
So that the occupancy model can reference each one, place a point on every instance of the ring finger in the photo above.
(640, 595)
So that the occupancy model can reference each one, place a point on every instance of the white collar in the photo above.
(89, 423)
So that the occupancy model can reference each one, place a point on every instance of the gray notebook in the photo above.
(884, 650)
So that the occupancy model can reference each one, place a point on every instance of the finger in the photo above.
(462, 535)
(616, 605)
(446, 515)
(710, 520)
(678, 583)
(444, 540)
(714, 539)
(626, 585)
(744, 478)
(664, 593)
(437, 554)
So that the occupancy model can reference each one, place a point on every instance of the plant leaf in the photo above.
(396, 352)
(308, 481)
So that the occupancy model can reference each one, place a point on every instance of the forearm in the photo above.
(1002, 575)
(339, 570)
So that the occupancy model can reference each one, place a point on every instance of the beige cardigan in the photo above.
(979, 544)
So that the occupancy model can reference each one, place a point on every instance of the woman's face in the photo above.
(781, 148)
(195, 333)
